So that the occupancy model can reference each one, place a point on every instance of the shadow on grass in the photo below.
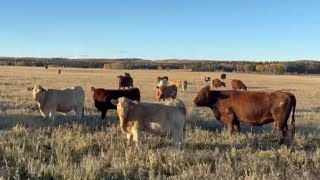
(8, 121)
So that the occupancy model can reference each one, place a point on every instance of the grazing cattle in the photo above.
(223, 76)
(237, 84)
(178, 83)
(253, 108)
(166, 92)
(65, 100)
(102, 98)
(59, 71)
(151, 117)
(184, 85)
(217, 83)
(159, 78)
(125, 81)
(207, 79)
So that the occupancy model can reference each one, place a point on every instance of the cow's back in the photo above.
(103, 98)
(254, 108)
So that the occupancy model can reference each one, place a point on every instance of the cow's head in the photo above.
(203, 97)
(38, 92)
(123, 105)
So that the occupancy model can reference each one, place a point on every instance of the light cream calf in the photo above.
(151, 117)
(51, 101)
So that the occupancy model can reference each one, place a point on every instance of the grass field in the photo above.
(91, 149)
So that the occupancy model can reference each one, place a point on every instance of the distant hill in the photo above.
(273, 67)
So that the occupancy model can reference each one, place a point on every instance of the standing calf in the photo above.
(65, 100)
(151, 117)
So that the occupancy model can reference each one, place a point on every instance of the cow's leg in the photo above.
(52, 115)
(236, 126)
(136, 135)
(230, 128)
(79, 111)
(282, 132)
(228, 118)
(129, 138)
(103, 114)
(177, 138)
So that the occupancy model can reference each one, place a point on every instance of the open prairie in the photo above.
(91, 149)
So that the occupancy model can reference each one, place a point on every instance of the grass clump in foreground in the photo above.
(76, 152)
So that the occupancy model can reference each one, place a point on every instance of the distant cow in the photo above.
(184, 85)
(207, 79)
(166, 92)
(125, 81)
(223, 76)
(65, 100)
(179, 84)
(151, 117)
(102, 98)
(159, 78)
(237, 84)
(46, 66)
(59, 71)
(253, 108)
(217, 83)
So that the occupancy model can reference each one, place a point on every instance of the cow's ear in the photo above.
(41, 88)
(30, 88)
(114, 101)
(157, 87)
(92, 88)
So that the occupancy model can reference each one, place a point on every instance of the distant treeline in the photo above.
(272, 67)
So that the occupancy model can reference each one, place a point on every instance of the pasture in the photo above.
(91, 149)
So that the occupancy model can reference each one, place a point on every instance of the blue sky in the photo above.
(219, 30)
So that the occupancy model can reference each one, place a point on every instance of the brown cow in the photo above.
(125, 81)
(218, 83)
(223, 76)
(253, 108)
(237, 84)
(166, 92)
(102, 98)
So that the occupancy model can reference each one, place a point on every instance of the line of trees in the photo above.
(272, 67)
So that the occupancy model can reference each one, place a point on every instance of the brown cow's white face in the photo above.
(38, 93)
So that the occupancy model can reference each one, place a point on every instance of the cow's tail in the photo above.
(293, 127)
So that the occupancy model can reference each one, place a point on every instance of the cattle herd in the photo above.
(168, 115)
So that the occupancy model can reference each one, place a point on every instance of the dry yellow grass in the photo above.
(90, 149)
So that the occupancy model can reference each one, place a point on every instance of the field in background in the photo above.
(90, 149)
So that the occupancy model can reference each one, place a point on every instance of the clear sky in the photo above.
(160, 29)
